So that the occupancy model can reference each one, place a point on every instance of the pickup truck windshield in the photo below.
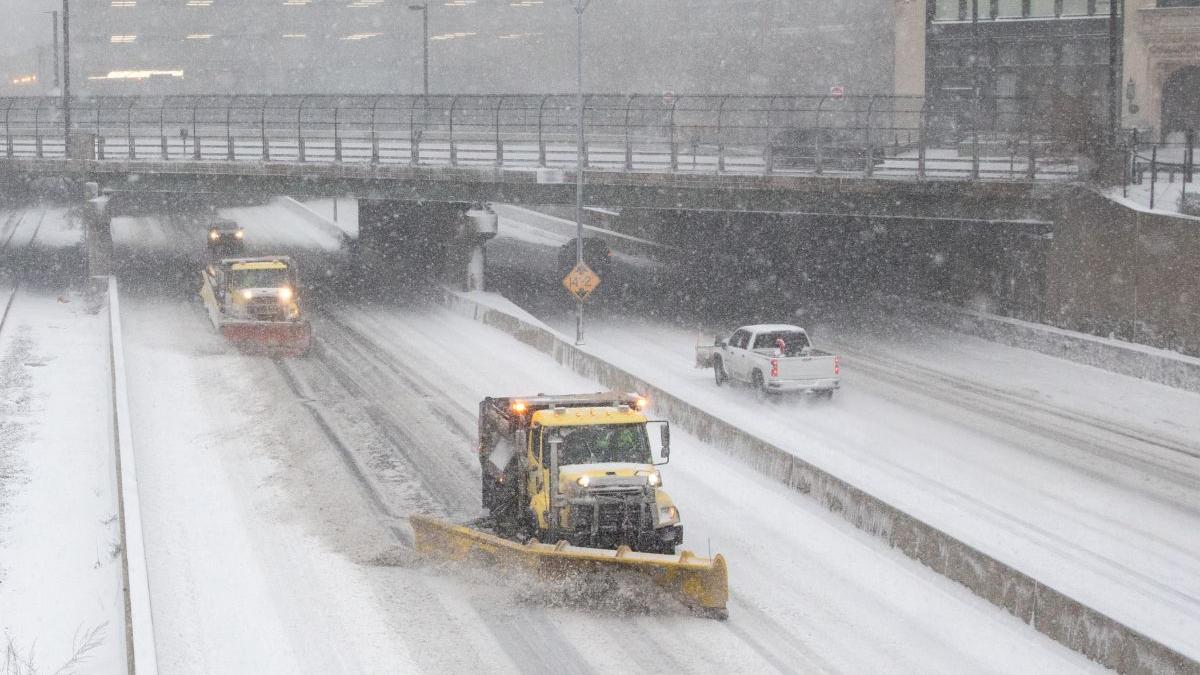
(793, 341)
(603, 443)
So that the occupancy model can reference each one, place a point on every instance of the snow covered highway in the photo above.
(307, 547)
(275, 493)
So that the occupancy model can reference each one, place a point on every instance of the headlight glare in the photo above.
(583, 481)
(285, 294)
(668, 515)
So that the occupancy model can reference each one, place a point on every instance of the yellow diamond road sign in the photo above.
(581, 281)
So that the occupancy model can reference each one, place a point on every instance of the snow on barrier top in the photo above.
(139, 629)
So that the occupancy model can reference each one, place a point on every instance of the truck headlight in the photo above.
(247, 294)
(285, 294)
(214, 235)
(653, 478)
(583, 481)
(667, 515)
(239, 234)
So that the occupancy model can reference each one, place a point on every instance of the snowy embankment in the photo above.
(961, 482)
(61, 602)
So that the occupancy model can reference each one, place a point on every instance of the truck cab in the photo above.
(581, 469)
(257, 289)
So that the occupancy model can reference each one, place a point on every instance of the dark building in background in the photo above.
(1049, 56)
(480, 46)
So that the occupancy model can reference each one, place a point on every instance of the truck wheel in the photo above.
(826, 395)
(759, 384)
(719, 372)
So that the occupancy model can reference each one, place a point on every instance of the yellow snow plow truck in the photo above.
(579, 473)
(254, 303)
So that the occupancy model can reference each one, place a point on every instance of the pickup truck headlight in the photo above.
(667, 515)
(583, 481)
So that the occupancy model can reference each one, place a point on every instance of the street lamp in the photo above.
(580, 6)
(424, 10)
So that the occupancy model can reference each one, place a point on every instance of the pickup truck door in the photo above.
(739, 367)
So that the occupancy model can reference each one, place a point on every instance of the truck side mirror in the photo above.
(662, 454)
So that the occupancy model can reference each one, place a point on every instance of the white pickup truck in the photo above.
(773, 359)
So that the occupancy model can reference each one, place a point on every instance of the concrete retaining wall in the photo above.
(1148, 363)
(1065, 620)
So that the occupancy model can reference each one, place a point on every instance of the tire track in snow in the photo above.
(525, 652)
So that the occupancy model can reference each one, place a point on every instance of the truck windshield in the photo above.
(604, 443)
(258, 279)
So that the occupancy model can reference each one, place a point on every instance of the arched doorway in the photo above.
(1181, 101)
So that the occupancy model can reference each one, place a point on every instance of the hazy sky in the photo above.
(23, 26)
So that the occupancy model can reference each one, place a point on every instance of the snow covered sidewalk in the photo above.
(60, 552)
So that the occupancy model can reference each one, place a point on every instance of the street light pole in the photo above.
(580, 6)
(54, 32)
(66, 90)
(424, 10)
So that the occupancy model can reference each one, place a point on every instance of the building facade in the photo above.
(1162, 68)
(1048, 58)
(1067, 60)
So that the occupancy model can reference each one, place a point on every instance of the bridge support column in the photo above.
(97, 228)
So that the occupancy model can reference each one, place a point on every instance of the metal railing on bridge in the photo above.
(892, 136)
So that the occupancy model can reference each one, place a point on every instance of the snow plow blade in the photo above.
(701, 584)
(274, 338)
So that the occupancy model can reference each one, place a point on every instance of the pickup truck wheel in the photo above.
(719, 372)
(759, 384)
(826, 395)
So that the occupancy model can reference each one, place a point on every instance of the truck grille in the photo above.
(265, 309)
(614, 511)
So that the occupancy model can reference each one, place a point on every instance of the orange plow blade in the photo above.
(701, 584)
(274, 338)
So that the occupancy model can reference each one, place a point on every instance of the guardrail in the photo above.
(140, 651)
(1155, 165)
(893, 136)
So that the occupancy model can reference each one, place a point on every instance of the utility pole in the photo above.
(424, 10)
(580, 6)
(66, 90)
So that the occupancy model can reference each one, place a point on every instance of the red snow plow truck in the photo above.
(254, 303)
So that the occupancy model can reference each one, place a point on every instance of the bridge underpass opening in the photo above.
(743, 267)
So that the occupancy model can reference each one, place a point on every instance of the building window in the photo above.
(1009, 9)
(947, 10)
(1075, 7)
(1041, 8)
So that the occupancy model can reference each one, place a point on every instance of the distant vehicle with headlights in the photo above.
(772, 359)
(225, 239)
(255, 304)
(579, 468)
